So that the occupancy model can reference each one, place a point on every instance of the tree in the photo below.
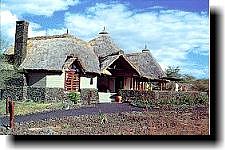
(173, 72)
(7, 70)
(188, 78)
(201, 85)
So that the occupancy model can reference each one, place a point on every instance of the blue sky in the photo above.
(175, 31)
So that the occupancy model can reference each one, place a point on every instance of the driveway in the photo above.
(102, 107)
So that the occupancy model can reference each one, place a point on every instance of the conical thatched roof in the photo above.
(50, 53)
(103, 45)
(146, 64)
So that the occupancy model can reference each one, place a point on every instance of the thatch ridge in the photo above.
(51, 37)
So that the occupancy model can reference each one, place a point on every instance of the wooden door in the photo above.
(72, 81)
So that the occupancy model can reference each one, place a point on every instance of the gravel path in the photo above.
(104, 108)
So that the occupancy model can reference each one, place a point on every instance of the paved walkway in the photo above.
(103, 107)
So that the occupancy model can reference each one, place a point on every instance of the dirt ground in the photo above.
(188, 121)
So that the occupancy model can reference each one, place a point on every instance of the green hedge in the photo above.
(159, 98)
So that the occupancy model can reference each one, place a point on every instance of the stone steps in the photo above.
(105, 97)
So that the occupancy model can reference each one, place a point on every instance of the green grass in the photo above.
(22, 108)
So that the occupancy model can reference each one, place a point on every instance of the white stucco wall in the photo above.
(85, 82)
(55, 81)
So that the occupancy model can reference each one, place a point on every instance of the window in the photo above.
(91, 81)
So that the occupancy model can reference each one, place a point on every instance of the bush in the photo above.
(175, 99)
(74, 97)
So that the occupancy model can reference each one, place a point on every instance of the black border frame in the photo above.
(215, 46)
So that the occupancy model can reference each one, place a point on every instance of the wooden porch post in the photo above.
(124, 82)
(143, 84)
(135, 84)
(150, 86)
(131, 83)
(138, 85)
(65, 81)
(108, 84)
(161, 85)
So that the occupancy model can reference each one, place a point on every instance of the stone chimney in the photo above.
(21, 35)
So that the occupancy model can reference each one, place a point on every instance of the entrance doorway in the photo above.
(119, 83)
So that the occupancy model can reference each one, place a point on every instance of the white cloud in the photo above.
(37, 7)
(8, 23)
(8, 27)
(169, 34)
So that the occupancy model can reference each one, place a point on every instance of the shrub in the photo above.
(172, 99)
(74, 97)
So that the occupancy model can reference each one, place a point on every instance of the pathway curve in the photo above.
(103, 107)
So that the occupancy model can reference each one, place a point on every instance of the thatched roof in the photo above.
(103, 45)
(146, 65)
(50, 53)
(112, 59)
(108, 61)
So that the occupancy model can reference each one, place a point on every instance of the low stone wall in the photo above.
(15, 93)
(89, 96)
(164, 97)
(55, 94)
(34, 93)
(131, 95)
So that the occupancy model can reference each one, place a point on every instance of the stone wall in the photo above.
(15, 93)
(14, 87)
(89, 96)
(55, 94)
(34, 93)
(164, 97)
(46, 94)
(131, 95)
